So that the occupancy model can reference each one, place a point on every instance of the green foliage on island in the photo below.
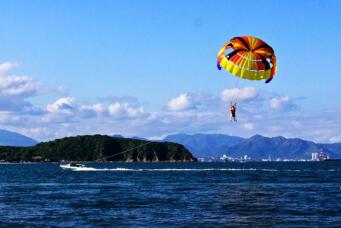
(97, 148)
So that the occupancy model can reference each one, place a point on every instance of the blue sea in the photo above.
(262, 194)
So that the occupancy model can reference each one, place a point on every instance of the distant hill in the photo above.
(133, 137)
(118, 136)
(335, 147)
(204, 145)
(138, 138)
(92, 148)
(8, 138)
(257, 147)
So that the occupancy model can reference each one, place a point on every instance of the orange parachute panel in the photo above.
(248, 57)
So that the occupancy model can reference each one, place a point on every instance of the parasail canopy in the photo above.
(248, 57)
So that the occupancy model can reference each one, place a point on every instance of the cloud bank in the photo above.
(258, 112)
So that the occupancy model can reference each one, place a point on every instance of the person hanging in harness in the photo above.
(233, 110)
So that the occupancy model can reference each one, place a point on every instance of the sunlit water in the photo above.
(172, 194)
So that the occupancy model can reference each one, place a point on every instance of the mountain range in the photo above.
(214, 145)
(205, 145)
(256, 147)
(9, 138)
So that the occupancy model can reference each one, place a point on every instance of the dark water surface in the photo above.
(172, 194)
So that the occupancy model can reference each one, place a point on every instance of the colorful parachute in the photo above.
(248, 57)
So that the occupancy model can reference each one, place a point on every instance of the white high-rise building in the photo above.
(314, 156)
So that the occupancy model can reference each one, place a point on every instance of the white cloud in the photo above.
(193, 102)
(187, 112)
(64, 105)
(66, 109)
(180, 103)
(12, 86)
(239, 94)
(202, 117)
(7, 66)
(18, 86)
(93, 110)
(66, 117)
(281, 103)
(124, 110)
(15, 90)
(116, 109)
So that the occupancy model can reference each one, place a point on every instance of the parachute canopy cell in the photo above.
(248, 57)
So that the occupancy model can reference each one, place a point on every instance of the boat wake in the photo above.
(121, 169)
(168, 169)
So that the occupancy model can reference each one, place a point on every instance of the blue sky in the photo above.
(138, 56)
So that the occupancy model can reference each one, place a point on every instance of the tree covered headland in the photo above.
(97, 148)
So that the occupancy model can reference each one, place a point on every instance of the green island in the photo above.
(97, 148)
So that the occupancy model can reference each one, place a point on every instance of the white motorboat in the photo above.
(72, 166)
